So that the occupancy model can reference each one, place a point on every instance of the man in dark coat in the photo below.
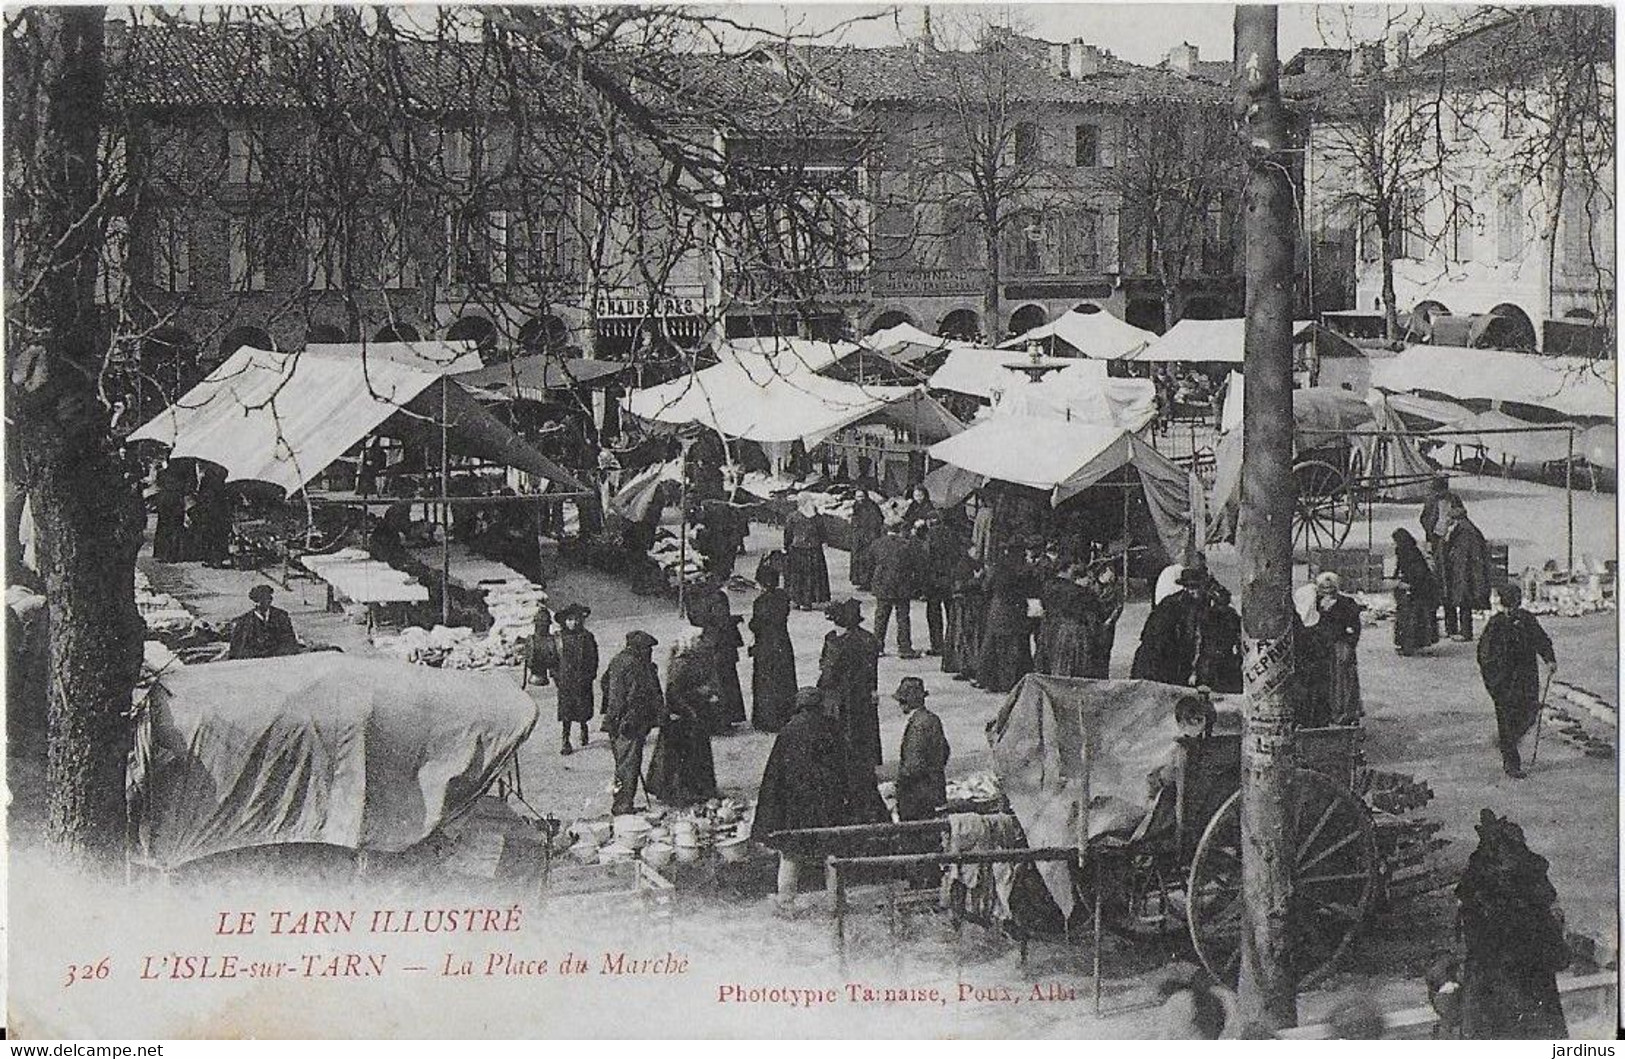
(849, 676)
(1432, 519)
(1218, 655)
(1465, 573)
(922, 777)
(868, 526)
(577, 670)
(265, 631)
(806, 784)
(944, 545)
(169, 536)
(1509, 657)
(721, 537)
(1169, 640)
(899, 562)
(634, 706)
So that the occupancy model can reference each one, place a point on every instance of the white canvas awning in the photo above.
(772, 407)
(1099, 335)
(1082, 393)
(1209, 341)
(283, 418)
(1063, 459)
(983, 372)
(1572, 386)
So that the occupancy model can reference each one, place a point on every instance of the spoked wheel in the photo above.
(1334, 879)
(1324, 510)
(1141, 896)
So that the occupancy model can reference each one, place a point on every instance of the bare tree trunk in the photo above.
(1390, 311)
(85, 509)
(1264, 531)
(990, 291)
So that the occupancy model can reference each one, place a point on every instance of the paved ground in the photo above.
(1427, 716)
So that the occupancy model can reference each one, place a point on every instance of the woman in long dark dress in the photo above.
(1109, 598)
(1071, 621)
(682, 770)
(868, 526)
(709, 611)
(576, 674)
(1006, 654)
(806, 572)
(1337, 634)
(773, 656)
(169, 535)
(967, 604)
(1416, 597)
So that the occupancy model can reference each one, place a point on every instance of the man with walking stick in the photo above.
(1509, 655)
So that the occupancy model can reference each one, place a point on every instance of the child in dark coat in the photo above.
(576, 673)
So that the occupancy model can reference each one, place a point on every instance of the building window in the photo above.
(1216, 237)
(543, 249)
(242, 156)
(1403, 221)
(456, 152)
(324, 258)
(1579, 244)
(246, 258)
(1087, 149)
(1024, 245)
(1512, 122)
(961, 239)
(1509, 242)
(1078, 234)
(172, 253)
(110, 264)
(1027, 144)
(1462, 223)
(496, 151)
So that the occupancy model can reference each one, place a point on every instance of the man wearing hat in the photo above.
(1171, 636)
(633, 707)
(265, 631)
(922, 780)
(805, 784)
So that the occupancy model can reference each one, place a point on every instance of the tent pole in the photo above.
(682, 537)
(1568, 497)
(445, 509)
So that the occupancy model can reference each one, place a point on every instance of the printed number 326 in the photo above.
(87, 972)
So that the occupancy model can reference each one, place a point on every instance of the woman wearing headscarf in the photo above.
(1416, 597)
(682, 770)
(773, 656)
(1336, 634)
(806, 572)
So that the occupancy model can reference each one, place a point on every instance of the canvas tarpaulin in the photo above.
(1573, 386)
(1072, 756)
(1083, 393)
(530, 378)
(769, 407)
(985, 372)
(1209, 341)
(364, 754)
(283, 418)
(1098, 335)
(1063, 459)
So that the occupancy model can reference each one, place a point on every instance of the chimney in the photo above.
(1183, 57)
(1082, 60)
(1366, 59)
(928, 41)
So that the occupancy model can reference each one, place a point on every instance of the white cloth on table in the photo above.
(986, 884)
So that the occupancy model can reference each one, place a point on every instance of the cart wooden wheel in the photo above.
(1324, 510)
(1335, 874)
(1139, 894)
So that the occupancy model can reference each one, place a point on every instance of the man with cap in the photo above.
(1170, 640)
(265, 631)
(805, 784)
(922, 780)
(633, 707)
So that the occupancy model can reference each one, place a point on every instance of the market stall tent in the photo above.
(1063, 459)
(1082, 392)
(1208, 341)
(985, 373)
(362, 754)
(283, 418)
(1570, 386)
(1099, 335)
(533, 378)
